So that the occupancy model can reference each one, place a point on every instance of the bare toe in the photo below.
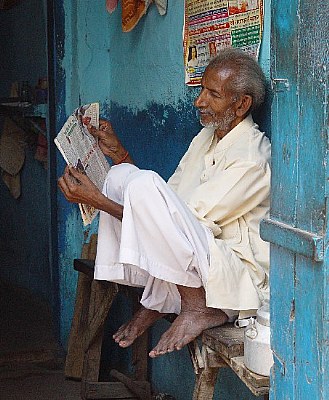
(130, 331)
(186, 327)
(119, 333)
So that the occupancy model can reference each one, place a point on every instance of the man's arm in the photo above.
(109, 142)
(78, 188)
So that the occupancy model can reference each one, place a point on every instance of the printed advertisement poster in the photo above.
(211, 25)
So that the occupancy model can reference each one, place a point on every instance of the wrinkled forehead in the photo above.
(220, 72)
(217, 78)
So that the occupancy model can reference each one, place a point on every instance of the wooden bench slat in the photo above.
(84, 265)
(258, 384)
(227, 340)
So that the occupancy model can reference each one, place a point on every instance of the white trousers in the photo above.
(158, 244)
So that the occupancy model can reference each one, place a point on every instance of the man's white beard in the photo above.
(224, 124)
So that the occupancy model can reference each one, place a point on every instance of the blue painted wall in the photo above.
(24, 223)
(138, 79)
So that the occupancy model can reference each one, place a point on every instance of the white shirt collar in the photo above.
(232, 136)
(235, 133)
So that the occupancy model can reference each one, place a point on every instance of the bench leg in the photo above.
(75, 350)
(206, 366)
(91, 365)
(205, 384)
(101, 298)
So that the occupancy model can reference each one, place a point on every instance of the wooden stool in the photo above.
(93, 302)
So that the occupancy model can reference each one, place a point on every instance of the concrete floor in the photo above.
(31, 361)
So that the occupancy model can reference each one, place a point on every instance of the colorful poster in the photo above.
(211, 25)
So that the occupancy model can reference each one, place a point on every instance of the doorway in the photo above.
(28, 225)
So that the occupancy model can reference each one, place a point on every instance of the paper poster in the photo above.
(211, 25)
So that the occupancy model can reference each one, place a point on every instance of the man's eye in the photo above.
(217, 95)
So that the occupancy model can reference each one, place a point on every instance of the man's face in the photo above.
(217, 106)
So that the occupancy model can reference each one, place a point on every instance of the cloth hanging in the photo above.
(133, 10)
(161, 6)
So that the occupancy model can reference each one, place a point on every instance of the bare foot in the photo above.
(186, 327)
(129, 332)
(194, 318)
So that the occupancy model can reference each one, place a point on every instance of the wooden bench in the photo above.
(221, 347)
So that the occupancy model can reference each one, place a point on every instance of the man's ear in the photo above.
(243, 106)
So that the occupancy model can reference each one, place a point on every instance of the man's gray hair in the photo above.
(246, 78)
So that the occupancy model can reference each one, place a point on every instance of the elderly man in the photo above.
(193, 243)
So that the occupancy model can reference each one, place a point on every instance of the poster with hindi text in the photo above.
(211, 25)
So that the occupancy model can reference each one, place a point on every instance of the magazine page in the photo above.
(80, 149)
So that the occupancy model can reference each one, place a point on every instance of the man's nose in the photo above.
(200, 100)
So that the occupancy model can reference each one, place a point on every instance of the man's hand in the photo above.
(78, 188)
(109, 142)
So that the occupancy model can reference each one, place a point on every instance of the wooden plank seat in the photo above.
(223, 347)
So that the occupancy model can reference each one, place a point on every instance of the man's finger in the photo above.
(92, 130)
(63, 187)
(97, 133)
(74, 171)
(104, 125)
(78, 175)
(69, 180)
(68, 188)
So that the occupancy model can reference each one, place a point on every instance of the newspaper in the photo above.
(211, 25)
(80, 149)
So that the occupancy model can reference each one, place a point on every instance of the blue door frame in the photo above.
(298, 225)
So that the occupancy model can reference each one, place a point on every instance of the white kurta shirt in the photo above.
(226, 184)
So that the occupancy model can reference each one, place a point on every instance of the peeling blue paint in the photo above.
(153, 144)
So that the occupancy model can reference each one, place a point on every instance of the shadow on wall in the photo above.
(263, 116)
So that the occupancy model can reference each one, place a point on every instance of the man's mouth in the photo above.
(206, 113)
